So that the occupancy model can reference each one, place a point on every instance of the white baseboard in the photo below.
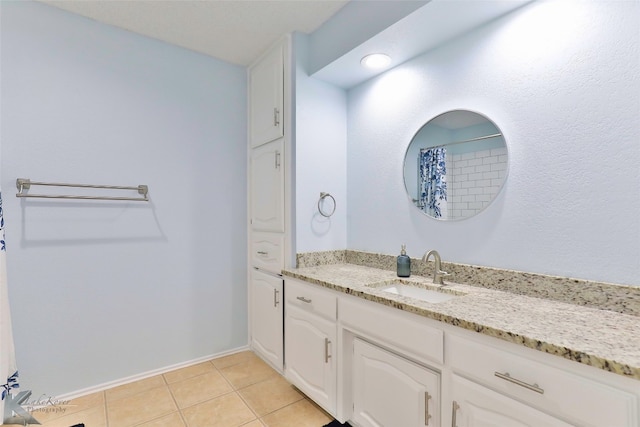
(141, 376)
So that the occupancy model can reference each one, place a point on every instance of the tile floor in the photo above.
(231, 391)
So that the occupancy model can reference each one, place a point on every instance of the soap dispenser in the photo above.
(404, 263)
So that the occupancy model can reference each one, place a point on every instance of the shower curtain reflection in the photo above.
(8, 369)
(432, 183)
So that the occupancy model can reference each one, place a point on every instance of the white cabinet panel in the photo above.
(267, 317)
(312, 298)
(310, 355)
(409, 333)
(266, 88)
(390, 391)
(477, 406)
(267, 251)
(267, 187)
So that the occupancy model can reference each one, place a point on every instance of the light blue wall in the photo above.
(567, 99)
(104, 290)
(321, 156)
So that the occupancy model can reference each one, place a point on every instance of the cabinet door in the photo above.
(266, 82)
(477, 406)
(267, 187)
(267, 317)
(390, 391)
(310, 353)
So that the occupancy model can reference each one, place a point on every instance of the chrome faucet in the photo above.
(437, 273)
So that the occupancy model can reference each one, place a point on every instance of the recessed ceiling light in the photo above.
(376, 60)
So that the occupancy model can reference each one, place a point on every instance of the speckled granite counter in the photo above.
(601, 338)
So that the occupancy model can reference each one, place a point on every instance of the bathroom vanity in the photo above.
(480, 357)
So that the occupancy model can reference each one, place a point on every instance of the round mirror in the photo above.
(455, 165)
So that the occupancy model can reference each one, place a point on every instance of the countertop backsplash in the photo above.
(604, 296)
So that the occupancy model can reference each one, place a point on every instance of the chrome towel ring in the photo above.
(323, 196)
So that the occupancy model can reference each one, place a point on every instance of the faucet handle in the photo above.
(438, 275)
(443, 273)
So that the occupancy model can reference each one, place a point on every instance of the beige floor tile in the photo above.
(92, 417)
(300, 414)
(234, 359)
(56, 408)
(270, 395)
(246, 373)
(188, 372)
(224, 411)
(205, 393)
(198, 389)
(171, 420)
(133, 388)
(88, 401)
(142, 407)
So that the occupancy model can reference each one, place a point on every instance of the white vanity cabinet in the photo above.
(310, 337)
(266, 305)
(269, 227)
(398, 369)
(391, 363)
(389, 390)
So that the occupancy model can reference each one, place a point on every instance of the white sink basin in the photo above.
(412, 291)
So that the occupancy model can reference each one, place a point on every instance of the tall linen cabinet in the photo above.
(269, 198)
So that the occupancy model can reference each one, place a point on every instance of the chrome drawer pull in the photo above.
(277, 160)
(303, 299)
(427, 416)
(326, 350)
(507, 377)
(263, 253)
(454, 412)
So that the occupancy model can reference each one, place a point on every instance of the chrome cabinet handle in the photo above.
(277, 160)
(427, 416)
(327, 356)
(275, 297)
(507, 377)
(303, 299)
(263, 253)
(454, 412)
(276, 116)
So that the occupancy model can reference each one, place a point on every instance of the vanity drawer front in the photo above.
(311, 298)
(410, 333)
(564, 394)
(267, 251)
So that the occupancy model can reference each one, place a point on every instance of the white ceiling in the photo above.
(236, 31)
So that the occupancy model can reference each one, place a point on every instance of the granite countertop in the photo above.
(601, 338)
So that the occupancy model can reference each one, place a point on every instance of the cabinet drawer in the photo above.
(267, 251)
(580, 400)
(473, 405)
(408, 332)
(311, 298)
